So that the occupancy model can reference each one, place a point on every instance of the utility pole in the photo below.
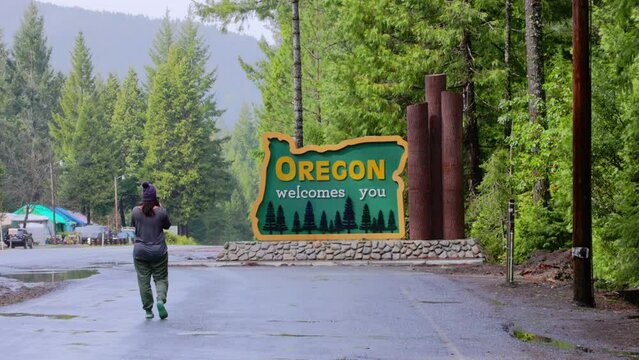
(115, 185)
(55, 235)
(581, 151)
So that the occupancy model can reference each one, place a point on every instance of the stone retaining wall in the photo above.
(350, 250)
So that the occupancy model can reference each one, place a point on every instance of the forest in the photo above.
(359, 65)
(363, 62)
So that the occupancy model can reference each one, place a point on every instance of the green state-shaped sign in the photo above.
(352, 190)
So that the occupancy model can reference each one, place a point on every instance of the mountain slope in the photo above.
(119, 41)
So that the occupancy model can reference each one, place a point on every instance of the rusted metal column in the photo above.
(419, 186)
(452, 165)
(435, 84)
(581, 157)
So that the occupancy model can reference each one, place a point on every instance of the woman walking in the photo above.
(150, 254)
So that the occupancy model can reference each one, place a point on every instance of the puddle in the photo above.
(296, 321)
(294, 335)
(49, 316)
(109, 264)
(439, 302)
(51, 276)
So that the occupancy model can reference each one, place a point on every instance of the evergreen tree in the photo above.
(331, 227)
(28, 93)
(33, 81)
(5, 91)
(79, 88)
(82, 137)
(391, 221)
(297, 227)
(127, 132)
(270, 223)
(366, 219)
(373, 227)
(323, 226)
(338, 223)
(184, 159)
(280, 222)
(240, 153)
(235, 227)
(381, 224)
(309, 218)
(348, 222)
(159, 52)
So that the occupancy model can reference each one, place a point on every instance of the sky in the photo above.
(156, 9)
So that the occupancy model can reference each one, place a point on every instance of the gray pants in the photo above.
(160, 273)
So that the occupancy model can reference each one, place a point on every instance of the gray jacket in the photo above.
(150, 244)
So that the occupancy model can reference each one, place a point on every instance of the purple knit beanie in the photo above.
(149, 194)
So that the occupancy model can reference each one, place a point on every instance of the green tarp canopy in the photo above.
(62, 222)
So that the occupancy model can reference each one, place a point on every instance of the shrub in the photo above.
(173, 239)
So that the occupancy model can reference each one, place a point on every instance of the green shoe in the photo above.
(149, 314)
(162, 310)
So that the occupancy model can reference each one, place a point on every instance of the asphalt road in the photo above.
(291, 312)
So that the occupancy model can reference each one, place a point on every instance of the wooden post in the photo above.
(581, 152)
(452, 165)
(419, 185)
(435, 84)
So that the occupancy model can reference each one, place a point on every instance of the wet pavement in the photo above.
(288, 312)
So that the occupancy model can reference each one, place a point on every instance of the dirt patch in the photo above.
(541, 303)
(10, 296)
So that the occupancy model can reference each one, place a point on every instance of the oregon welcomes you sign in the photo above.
(352, 190)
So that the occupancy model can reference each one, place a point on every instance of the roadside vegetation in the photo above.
(362, 63)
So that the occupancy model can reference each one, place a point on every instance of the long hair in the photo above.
(147, 207)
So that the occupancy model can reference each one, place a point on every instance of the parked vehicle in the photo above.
(19, 237)
(126, 235)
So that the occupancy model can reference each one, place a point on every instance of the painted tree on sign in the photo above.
(309, 218)
(280, 222)
(366, 219)
(381, 225)
(373, 227)
(338, 223)
(297, 227)
(331, 227)
(348, 222)
(323, 226)
(269, 221)
(391, 221)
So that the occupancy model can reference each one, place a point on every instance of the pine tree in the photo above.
(159, 52)
(331, 227)
(33, 80)
(280, 222)
(78, 88)
(373, 227)
(348, 222)
(323, 226)
(240, 152)
(184, 158)
(5, 91)
(28, 93)
(391, 221)
(366, 219)
(338, 223)
(270, 223)
(297, 227)
(127, 132)
(309, 218)
(381, 224)
(80, 136)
